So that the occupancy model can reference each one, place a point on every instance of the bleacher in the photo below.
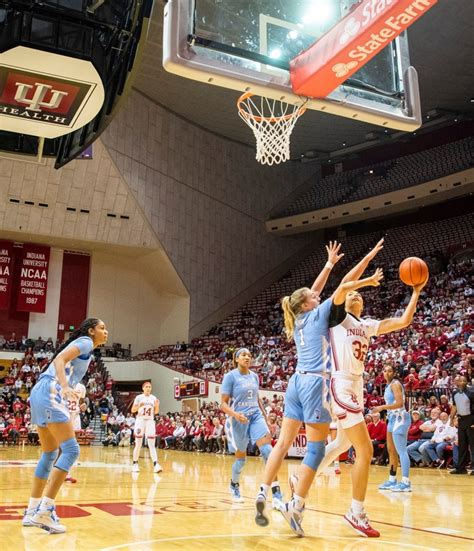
(385, 177)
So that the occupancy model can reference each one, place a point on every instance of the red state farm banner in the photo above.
(6, 273)
(353, 42)
(33, 279)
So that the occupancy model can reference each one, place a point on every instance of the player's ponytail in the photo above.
(291, 306)
(81, 331)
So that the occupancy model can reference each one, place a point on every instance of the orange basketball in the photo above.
(413, 271)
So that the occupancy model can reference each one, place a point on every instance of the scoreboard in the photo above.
(190, 389)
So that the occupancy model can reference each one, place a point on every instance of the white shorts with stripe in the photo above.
(144, 427)
(347, 399)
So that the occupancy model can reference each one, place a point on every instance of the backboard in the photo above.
(246, 45)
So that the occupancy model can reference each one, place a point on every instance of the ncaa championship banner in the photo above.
(33, 279)
(6, 273)
(47, 95)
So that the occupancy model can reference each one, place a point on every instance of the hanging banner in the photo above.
(6, 273)
(33, 279)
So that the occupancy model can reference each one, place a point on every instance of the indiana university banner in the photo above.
(6, 273)
(33, 279)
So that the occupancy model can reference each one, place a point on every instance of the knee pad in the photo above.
(45, 464)
(266, 450)
(314, 455)
(69, 454)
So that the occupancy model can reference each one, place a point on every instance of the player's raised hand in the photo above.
(420, 286)
(69, 393)
(241, 418)
(378, 247)
(333, 252)
(375, 279)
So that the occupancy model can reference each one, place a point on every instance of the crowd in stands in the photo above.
(428, 355)
(385, 177)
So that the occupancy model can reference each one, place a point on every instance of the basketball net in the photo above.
(272, 122)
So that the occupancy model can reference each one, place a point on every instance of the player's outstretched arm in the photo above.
(395, 324)
(334, 255)
(340, 293)
(360, 268)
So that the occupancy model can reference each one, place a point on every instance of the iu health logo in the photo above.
(36, 101)
(40, 98)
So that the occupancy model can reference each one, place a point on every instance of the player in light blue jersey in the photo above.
(307, 322)
(399, 421)
(246, 419)
(49, 411)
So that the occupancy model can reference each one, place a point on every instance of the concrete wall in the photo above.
(206, 199)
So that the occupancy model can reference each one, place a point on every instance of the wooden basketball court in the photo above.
(188, 507)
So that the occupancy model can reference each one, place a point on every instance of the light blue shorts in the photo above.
(306, 399)
(47, 405)
(240, 434)
(399, 422)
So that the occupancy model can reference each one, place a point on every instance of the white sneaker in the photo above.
(28, 517)
(157, 468)
(135, 468)
(260, 503)
(48, 520)
(293, 517)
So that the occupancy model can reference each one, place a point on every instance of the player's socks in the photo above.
(357, 507)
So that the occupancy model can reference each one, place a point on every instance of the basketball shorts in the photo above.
(347, 400)
(240, 434)
(76, 420)
(306, 399)
(144, 427)
(399, 422)
(47, 404)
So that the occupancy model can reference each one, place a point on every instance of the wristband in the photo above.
(329, 265)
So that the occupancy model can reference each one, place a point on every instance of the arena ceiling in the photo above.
(441, 49)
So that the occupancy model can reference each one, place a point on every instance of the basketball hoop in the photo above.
(272, 122)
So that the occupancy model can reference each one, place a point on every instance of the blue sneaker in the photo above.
(235, 492)
(401, 487)
(388, 485)
(277, 497)
(293, 517)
